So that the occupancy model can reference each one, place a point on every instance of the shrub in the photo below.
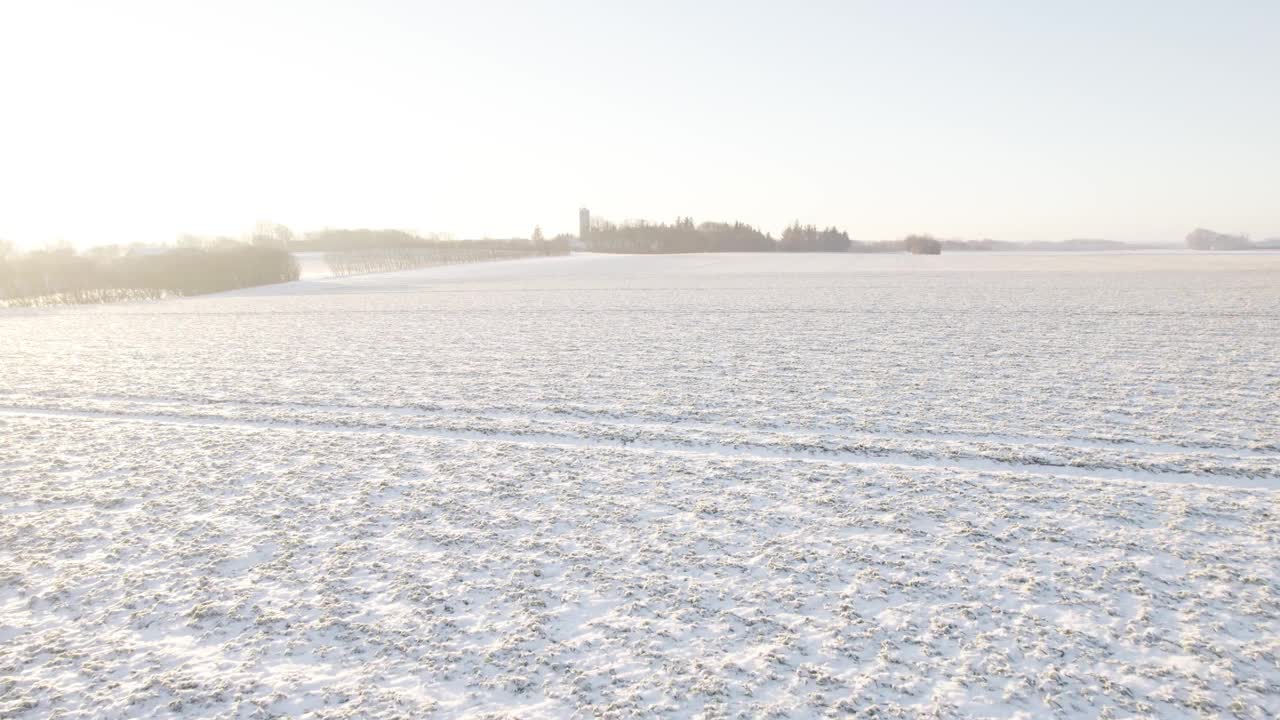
(923, 245)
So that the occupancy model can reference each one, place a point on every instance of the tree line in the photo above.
(196, 265)
(1204, 239)
(683, 236)
(62, 275)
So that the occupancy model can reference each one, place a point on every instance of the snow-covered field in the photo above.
(592, 486)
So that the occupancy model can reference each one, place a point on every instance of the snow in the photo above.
(311, 266)
(603, 486)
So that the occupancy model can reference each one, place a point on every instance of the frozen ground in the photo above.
(969, 486)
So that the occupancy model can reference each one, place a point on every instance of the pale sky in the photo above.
(135, 121)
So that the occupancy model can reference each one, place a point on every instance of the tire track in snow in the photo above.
(587, 416)
(565, 441)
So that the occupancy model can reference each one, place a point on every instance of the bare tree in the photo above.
(272, 234)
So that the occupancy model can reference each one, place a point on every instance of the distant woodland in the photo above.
(63, 275)
(196, 265)
(683, 236)
(1202, 239)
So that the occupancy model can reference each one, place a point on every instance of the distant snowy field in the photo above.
(716, 486)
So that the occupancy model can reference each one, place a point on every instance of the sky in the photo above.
(1136, 121)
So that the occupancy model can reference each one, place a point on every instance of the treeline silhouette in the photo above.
(1204, 239)
(683, 236)
(807, 238)
(62, 275)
